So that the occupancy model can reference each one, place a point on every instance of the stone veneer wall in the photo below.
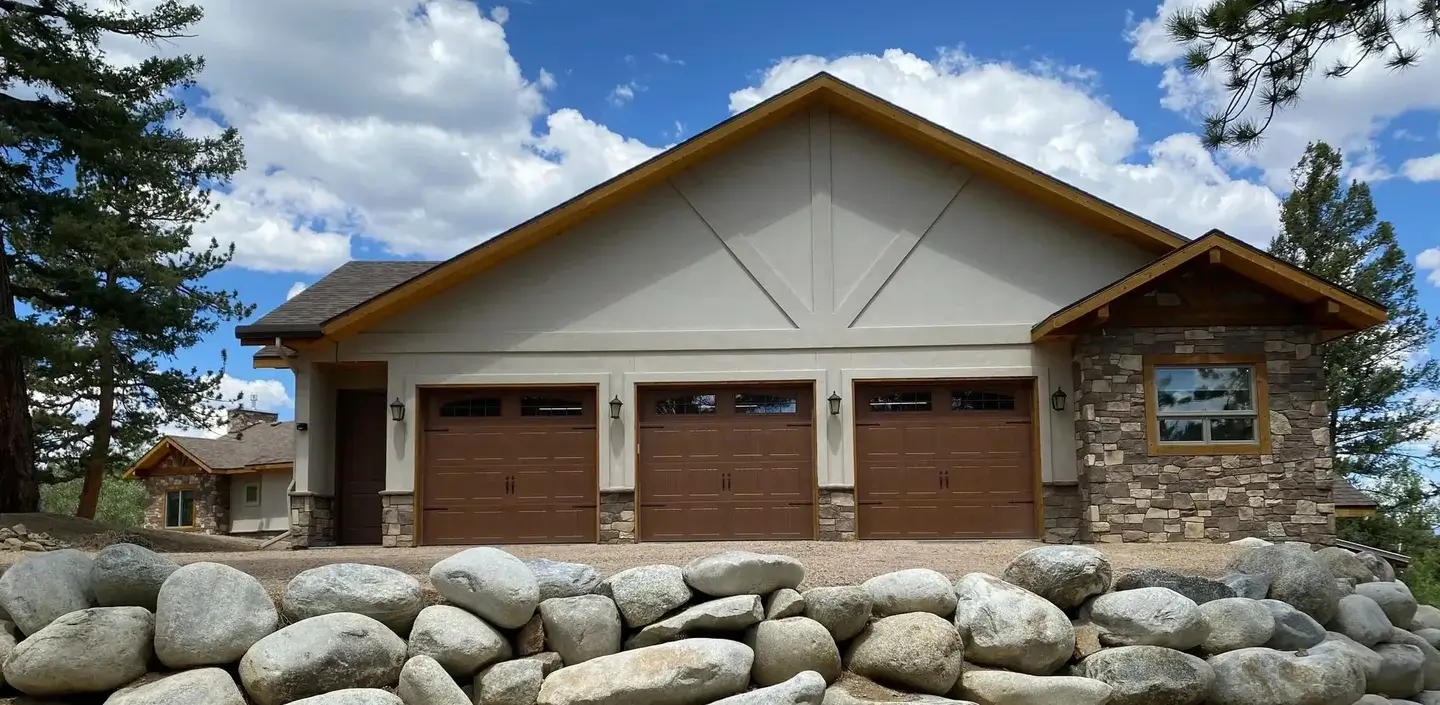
(837, 514)
(397, 519)
(1064, 511)
(617, 516)
(311, 521)
(1130, 496)
(212, 501)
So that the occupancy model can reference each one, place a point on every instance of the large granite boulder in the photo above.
(459, 641)
(806, 688)
(646, 593)
(513, 682)
(1064, 575)
(319, 655)
(1432, 656)
(852, 689)
(489, 582)
(1200, 590)
(787, 647)
(208, 614)
(1344, 564)
(1009, 627)
(1236, 623)
(1255, 587)
(1379, 567)
(783, 603)
(916, 651)
(913, 590)
(425, 682)
(726, 614)
(1296, 577)
(1148, 675)
(581, 628)
(844, 610)
(211, 686)
(1294, 630)
(92, 650)
(558, 579)
(384, 594)
(40, 588)
(1393, 597)
(126, 575)
(1402, 671)
(1426, 617)
(743, 573)
(988, 687)
(1154, 616)
(353, 696)
(1361, 619)
(687, 672)
(1265, 676)
(1369, 661)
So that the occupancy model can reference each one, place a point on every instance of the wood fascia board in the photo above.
(157, 452)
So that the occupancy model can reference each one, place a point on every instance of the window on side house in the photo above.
(252, 494)
(179, 509)
(1206, 404)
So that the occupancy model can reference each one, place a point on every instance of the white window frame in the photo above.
(245, 494)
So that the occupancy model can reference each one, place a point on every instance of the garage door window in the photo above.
(900, 402)
(1206, 407)
(551, 406)
(470, 407)
(685, 405)
(765, 404)
(972, 400)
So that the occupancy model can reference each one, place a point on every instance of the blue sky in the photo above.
(395, 129)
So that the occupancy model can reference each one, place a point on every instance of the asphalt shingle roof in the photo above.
(352, 284)
(1347, 495)
(265, 443)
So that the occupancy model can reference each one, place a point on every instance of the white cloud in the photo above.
(622, 94)
(667, 59)
(1422, 168)
(500, 14)
(1046, 116)
(1429, 261)
(295, 289)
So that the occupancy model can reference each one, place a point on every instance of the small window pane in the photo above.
(551, 406)
(1233, 429)
(472, 407)
(971, 400)
(686, 405)
(901, 401)
(172, 508)
(1182, 430)
(765, 404)
(187, 508)
(1189, 390)
(252, 494)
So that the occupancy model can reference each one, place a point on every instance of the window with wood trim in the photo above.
(252, 494)
(1206, 404)
(179, 509)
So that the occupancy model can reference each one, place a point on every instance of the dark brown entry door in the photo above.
(945, 460)
(360, 419)
(726, 462)
(509, 465)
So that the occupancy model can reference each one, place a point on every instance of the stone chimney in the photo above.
(241, 418)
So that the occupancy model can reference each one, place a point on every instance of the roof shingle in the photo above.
(352, 284)
(1347, 495)
(266, 443)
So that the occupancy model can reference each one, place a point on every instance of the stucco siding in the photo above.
(273, 511)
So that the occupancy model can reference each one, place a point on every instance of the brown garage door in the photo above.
(506, 465)
(726, 462)
(945, 460)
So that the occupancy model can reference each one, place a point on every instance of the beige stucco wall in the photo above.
(273, 512)
(820, 252)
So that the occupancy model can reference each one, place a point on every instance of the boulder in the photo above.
(844, 610)
(353, 696)
(988, 687)
(208, 614)
(1255, 587)
(1432, 656)
(7, 644)
(1402, 671)
(726, 614)
(1371, 699)
(530, 639)
(559, 579)
(425, 682)
(1294, 630)
(1064, 575)
(916, 651)
(1426, 617)
(1148, 675)
(489, 582)
(40, 588)
(913, 590)
(211, 686)
(1379, 567)
(1236, 623)
(582, 628)
(858, 690)
(1251, 542)
(688, 672)
(1344, 564)
(512, 682)
(1424, 697)
(1369, 660)
(126, 575)
(1361, 619)
(787, 647)
(1288, 678)
(92, 650)
(386, 595)
(1430, 635)
(1200, 590)
(1393, 597)
(783, 603)
(1007, 626)
(743, 573)
(1155, 616)
(1344, 586)
(319, 655)
(806, 688)
(459, 641)
(646, 593)
(1296, 577)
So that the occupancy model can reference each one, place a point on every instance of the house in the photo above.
(238, 483)
(824, 318)
(1352, 502)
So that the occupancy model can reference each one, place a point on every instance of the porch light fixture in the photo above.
(1057, 400)
(397, 410)
(834, 403)
(615, 405)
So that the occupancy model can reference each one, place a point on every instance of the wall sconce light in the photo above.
(302, 426)
(834, 403)
(1057, 400)
(615, 405)
(397, 410)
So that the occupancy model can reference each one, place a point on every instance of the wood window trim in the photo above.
(1261, 446)
(165, 512)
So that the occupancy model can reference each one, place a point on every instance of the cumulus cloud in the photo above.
(1429, 261)
(622, 94)
(1422, 168)
(295, 289)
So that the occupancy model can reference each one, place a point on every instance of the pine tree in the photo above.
(1380, 380)
(98, 193)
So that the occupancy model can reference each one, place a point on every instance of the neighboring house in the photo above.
(823, 318)
(238, 483)
(1352, 502)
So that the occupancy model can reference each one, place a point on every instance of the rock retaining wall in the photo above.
(131, 627)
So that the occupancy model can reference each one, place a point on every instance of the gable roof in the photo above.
(1348, 310)
(333, 319)
(352, 283)
(1345, 494)
(262, 446)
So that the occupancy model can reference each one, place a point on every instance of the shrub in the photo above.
(122, 502)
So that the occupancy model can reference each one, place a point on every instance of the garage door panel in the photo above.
(696, 523)
(772, 521)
